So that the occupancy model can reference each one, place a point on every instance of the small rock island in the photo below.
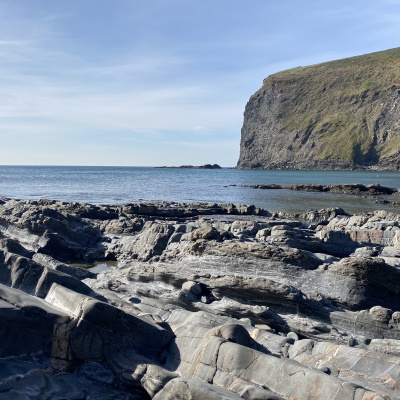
(205, 166)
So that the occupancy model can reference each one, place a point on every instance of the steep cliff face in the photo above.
(341, 114)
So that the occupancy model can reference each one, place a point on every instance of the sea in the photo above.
(118, 185)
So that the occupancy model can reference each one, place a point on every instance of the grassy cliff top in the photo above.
(386, 59)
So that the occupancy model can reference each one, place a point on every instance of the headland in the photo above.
(338, 115)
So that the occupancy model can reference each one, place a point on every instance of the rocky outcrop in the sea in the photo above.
(205, 166)
(208, 301)
(337, 115)
(374, 189)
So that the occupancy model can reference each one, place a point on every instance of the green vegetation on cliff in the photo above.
(346, 110)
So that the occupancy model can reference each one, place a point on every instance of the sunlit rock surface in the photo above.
(203, 301)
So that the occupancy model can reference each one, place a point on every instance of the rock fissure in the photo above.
(258, 313)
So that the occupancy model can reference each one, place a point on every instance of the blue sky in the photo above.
(159, 82)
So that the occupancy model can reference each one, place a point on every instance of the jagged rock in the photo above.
(151, 242)
(40, 227)
(34, 278)
(26, 378)
(122, 226)
(263, 233)
(243, 305)
(367, 278)
(375, 371)
(301, 346)
(27, 323)
(102, 328)
(324, 215)
(52, 263)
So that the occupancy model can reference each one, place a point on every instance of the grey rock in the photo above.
(156, 378)
(301, 346)
(52, 263)
(187, 297)
(187, 389)
(235, 334)
(33, 278)
(292, 335)
(192, 287)
(97, 372)
(317, 291)
(28, 323)
(207, 233)
(372, 370)
(206, 299)
(247, 321)
(41, 385)
(103, 328)
(150, 243)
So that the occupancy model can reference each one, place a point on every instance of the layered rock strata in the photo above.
(339, 115)
(208, 301)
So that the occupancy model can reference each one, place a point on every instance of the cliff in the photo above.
(342, 114)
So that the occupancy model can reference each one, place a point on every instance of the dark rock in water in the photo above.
(205, 166)
(349, 188)
(209, 301)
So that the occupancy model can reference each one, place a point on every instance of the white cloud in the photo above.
(150, 90)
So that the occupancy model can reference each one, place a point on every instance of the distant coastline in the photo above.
(205, 166)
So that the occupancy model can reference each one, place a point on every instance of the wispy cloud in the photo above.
(143, 79)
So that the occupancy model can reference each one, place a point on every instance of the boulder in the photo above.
(188, 389)
(192, 287)
(207, 233)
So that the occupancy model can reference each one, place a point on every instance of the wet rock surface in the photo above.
(373, 189)
(207, 301)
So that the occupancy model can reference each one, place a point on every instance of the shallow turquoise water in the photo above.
(115, 185)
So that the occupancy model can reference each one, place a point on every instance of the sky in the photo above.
(159, 82)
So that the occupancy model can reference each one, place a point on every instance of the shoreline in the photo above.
(374, 190)
(189, 278)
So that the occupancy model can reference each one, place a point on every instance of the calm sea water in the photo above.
(116, 185)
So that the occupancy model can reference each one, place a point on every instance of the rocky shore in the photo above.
(374, 189)
(381, 194)
(208, 301)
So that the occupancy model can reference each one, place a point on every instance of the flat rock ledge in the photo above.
(374, 189)
(203, 301)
